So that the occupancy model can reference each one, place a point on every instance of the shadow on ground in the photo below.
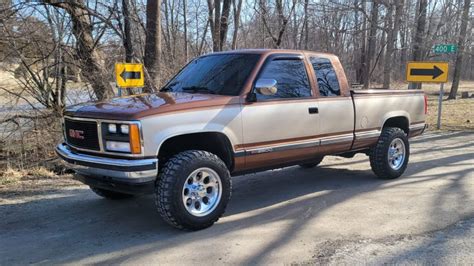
(76, 224)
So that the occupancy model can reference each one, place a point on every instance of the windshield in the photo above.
(223, 74)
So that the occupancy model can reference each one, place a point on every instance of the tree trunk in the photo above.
(153, 44)
(217, 26)
(224, 25)
(363, 48)
(419, 36)
(392, 40)
(461, 47)
(237, 9)
(89, 61)
(185, 23)
(374, 15)
(305, 25)
(127, 39)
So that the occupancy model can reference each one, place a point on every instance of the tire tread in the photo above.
(378, 154)
(165, 183)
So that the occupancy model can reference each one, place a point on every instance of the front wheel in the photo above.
(192, 190)
(389, 157)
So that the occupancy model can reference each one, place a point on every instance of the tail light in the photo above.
(426, 104)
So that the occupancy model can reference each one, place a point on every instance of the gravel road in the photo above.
(338, 213)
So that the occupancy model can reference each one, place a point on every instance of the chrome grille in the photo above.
(82, 134)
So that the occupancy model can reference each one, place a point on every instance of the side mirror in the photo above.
(266, 87)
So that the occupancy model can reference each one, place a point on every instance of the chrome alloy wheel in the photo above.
(202, 192)
(396, 153)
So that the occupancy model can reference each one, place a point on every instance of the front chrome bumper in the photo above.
(110, 169)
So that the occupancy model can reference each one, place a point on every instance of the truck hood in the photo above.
(138, 106)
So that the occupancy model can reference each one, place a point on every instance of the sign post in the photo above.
(431, 72)
(129, 75)
(440, 101)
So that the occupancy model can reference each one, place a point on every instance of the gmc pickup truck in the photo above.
(230, 113)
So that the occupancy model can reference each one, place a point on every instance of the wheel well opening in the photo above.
(213, 142)
(399, 121)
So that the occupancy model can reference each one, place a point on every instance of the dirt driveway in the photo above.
(338, 213)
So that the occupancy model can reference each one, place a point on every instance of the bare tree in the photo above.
(127, 38)
(419, 36)
(282, 20)
(219, 12)
(392, 33)
(153, 44)
(90, 63)
(374, 14)
(461, 49)
(185, 26)
(237, 9)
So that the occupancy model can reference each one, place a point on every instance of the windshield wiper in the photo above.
(198, 89)
(169, 86)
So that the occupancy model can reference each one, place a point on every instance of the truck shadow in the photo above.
(79, 227)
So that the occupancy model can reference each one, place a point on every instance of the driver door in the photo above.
(281, 128)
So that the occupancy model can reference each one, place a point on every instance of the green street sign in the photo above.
(445, 48)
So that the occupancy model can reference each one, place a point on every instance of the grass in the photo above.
(455, 114)
(11, 176)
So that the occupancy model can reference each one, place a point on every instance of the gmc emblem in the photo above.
(76, 134)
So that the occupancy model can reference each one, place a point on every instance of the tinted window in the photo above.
(217, 74)
(292, 81)
(327, 79)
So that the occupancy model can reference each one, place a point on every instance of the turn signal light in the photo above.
(135, 143)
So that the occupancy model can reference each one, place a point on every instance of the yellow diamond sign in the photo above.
(434, 72)
(129, 75)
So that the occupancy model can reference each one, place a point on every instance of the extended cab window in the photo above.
(327, 79)
(223, 74)
(290, 74)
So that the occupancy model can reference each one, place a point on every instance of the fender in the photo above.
(392, 114)
(169, 133)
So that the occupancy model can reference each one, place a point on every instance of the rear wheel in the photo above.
(108, 194)
(389, 157)
(312, 164)
(193, 190)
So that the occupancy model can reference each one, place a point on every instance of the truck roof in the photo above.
(272, 51)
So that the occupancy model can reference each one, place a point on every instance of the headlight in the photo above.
(117, 146)
(124, 129)
(112, 128)
(122, 137)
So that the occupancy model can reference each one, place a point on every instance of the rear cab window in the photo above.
(326, 77)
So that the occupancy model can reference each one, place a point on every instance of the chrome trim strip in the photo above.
(101, 139)
(417, 126)
(367, 134)
(336, 139)
(99, 134)
(307, 144)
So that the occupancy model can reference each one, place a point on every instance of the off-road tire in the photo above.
(169, 187)
(379, 154)
(313, 163)
(108, 194)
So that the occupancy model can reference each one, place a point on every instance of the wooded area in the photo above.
(63, 52)
(374, 39)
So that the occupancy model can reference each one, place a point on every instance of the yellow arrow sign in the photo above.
(129, 75)
(434, 72)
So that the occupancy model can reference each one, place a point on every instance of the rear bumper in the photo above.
(123, 175)
(417, 129)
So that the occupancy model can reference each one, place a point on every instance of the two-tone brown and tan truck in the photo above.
(231, 113)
